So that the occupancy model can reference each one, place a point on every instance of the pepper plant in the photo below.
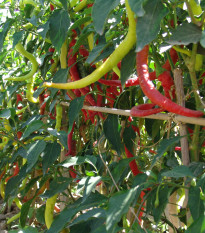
(102, 115)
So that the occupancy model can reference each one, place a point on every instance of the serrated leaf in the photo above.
(148, 26)
(3, 33)
(178, 171)
(51, 153)
(100, 12)
(110, 128)
(33, 153)
(163, 147)
(74, 110)
(118, 205)
(137, 7)
(34, 126)
(59, 24)
(179, 35)
(127, 66)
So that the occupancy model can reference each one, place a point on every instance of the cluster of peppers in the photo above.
(109, 86)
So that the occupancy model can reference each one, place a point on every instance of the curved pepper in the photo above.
(111, 62)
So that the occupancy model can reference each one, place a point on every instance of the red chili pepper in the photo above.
(177, 148)
(167, 84)
(52, 7)
(144, 110)
(16, 172)
(72, 59)
(69, 141)
(19, 134)
(155, 96)
(174, 57)
(133, 164)
(51, 50)
(18, 98)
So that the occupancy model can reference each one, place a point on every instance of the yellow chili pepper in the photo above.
(111, 62)
(80, 6)
(50, 203)
(19, 47)
(30, 91)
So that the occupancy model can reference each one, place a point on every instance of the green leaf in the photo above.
(62, 136)
(74, 110)
(67, 214)
(100, 12)
(163, 200)
(3, 33)
(118, 205)
(59, 23)
(60, 76)
(197, 226)
(94, 213)
(57, 186)
(5, 113)
(24, 212)
(128, 138)
(127, 66)
(64, 3)
(178, 171)
(43, 29)
(97, 50)
(51, 153)
(195, 203)
(137, 7)
(90, 184)
(27, 229)
(34, 126)
(73, 161)
(148, 26)
(121, 169)
(179, 35)
(13, 184)
(110, 128)
(163, 147)
(33, 153)
(17, 37)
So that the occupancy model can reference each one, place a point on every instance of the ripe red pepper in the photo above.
(72, 59)
(144, 110)
(52, 7)
(18, 98)
(167, 84)
(16, 172)
(155, 96)
(133, 164)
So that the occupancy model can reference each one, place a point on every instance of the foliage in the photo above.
(91, 171)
